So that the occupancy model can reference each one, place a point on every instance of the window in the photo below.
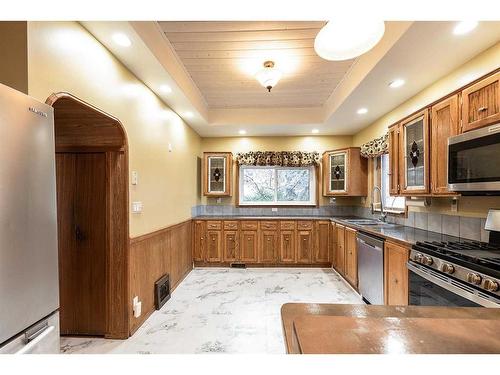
(277, 186)
(381, 179)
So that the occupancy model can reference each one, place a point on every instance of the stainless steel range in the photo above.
(462, 273)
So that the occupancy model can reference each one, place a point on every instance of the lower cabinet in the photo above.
(231, 245)
(351, 257)
(287, 246)
(304, 246)
(268, 249)
(395, 274)
(339, 260)
(214, 246)
(322, 249)
(248, 246)
(199, 240)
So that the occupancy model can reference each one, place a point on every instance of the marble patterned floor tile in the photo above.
(222, 310)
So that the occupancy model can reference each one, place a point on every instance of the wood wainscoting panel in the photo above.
(152, 255)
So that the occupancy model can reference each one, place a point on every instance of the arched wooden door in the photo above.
(92, 204)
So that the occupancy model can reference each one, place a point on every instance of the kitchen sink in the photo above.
(364, 221)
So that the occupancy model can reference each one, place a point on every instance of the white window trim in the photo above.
(389, 208)
(312, 187)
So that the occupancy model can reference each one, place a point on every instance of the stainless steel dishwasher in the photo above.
(371, 268)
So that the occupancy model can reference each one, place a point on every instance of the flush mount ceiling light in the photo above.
(242, 132)
(397, 83)
(464, 27)
(121, 39)
(268, 76)
(188, 114)
(315, 131)
(346, 39)
(166, 89)
(362, 111)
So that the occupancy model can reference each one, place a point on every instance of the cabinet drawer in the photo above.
(249, 225)
(269, 225)
(230, 225)
(214, 225)
(288, 225)
(304, 224)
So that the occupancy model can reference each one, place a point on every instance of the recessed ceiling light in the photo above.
(121, 39)
(315, 131)
(464, 27)
(242, 132)
(166, 89)
(188, 114)
(362, 111)
(397, 83)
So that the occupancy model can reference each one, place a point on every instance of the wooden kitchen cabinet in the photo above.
(395, 274)
(322, 249)
(444, 124)
(231, 245)
(414, 154)
(351, 257)
(287, 246)
(340, 251)
(333, 242)
(481, 103)
(214, 246)
(345, 173)
(393, 143)
(304, 246)
(248, 246)
(217, 168)
(268, 249)
(199, 240)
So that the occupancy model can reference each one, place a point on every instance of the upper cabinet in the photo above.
(414, 154)
(481, 103)
(345, 173)
(217, 169)
(444, 124)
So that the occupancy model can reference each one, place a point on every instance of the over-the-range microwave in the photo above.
(474, 161)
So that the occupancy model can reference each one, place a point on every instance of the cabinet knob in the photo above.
(482, 109)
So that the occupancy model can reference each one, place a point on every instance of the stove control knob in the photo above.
(428, 260)
(418, 257)
(473, 278)
(448, 268)
(490, 285)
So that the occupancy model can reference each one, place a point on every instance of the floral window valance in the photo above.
(279, 158)
(376, 147)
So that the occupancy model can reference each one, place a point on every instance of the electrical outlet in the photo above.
(135, 178)
(170, 147)
(454, 205)
(333, 199)
(274, 209)
(218, 200)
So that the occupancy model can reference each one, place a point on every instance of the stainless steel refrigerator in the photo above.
(29, 290)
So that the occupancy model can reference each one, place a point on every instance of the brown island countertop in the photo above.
(368, 329)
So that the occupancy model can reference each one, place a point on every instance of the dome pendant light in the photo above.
(268, 76)
(345, 39)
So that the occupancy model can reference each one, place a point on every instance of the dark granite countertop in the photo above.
(397, 233)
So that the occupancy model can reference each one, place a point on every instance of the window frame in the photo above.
(377, 170)
(313, 181)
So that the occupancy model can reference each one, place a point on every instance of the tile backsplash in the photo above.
(459, 226)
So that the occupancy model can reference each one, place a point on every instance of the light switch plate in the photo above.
(135, 178)
(137, 207)
(170, 147)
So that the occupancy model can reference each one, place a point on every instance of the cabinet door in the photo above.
(340, 253)
(415, 154)
(351, 253)
(231, 242)
(248, 246)
(268, 249)
(395, 274)
(214, 245)
(333, 243)
(287, 246)
(322, 248)
(335, 172)
(444, 124)
(304, 246)
(394, 160)
(217, 174)
(481, 103)
(199, 243)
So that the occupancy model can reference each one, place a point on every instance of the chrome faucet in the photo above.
(383, 214)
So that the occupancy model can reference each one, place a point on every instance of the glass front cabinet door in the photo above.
(217, 174)
(414, 178)
(335, 164)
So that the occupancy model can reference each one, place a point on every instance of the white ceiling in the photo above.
(223, 57)
(202, 62)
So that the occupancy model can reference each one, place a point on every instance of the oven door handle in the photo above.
(443, 282)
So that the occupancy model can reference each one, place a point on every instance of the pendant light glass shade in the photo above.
(268, 76)
(346, 39)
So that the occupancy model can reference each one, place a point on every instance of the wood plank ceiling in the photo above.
(223, 57)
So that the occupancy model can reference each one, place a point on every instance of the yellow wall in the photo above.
(296, 143)
(63, 56)
(478, 66)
